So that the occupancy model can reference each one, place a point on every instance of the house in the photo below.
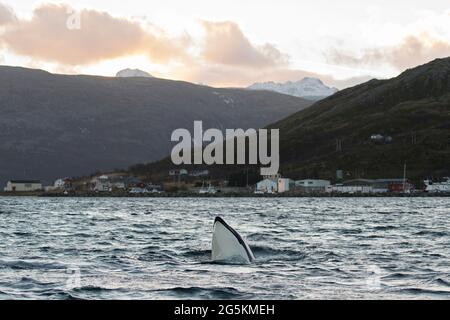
(267, 186)
(64, 183)
(101, 184)
(23, 186)
(312, 185)
(285, 184)
(124, 182)
(118, 183)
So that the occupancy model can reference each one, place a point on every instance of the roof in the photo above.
(359, 182)
(25, 181)
(390, 180)
(373, 181)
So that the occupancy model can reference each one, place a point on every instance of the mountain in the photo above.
(129, 73)
(308, 88)
(66, 125)
(412, 109)
(411, 112)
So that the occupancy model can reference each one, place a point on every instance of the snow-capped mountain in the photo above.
(128, 73)
(309, 88)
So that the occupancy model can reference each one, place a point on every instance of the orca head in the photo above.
(228, 245)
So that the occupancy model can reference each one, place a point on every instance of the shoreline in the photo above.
(221, 195)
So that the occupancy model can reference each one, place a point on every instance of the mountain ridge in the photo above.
(412, 110)
(308, 88)
(132, 73)
(68, 125)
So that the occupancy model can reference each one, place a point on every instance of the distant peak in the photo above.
(311, 80)
(128, 73)
(307, 87)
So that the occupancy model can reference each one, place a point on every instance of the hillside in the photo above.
(412, 109)
(62, 125)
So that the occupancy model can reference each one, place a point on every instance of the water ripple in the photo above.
(159, 248)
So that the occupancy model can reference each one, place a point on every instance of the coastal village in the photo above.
(182, 182)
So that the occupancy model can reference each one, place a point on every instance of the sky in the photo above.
(226, 43)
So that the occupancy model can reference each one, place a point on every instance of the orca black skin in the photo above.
(237, 235)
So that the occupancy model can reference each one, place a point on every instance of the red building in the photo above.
(401, 187)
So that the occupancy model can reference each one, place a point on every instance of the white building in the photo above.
(312, 183)
(23, 186)
(349, 189)
(437, 186)
(63, 183)
(267, 186)
(284, 184)
(364, 186)
(101, 184)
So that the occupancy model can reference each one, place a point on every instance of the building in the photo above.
(118, 183)
(401, 187)
(124, 182)
(392, 185)
(267, 186)
(101, 184)
(312, 185)
(64, 183)
(372, 186)
(23, 186)
(339, 188)
(431, 186)
(285, 184)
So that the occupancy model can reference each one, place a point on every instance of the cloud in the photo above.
(70, 40)
(51, 36)
(7, 15)
(226, 44)
(412, 51)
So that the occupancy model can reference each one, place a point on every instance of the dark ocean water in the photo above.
(305, 248)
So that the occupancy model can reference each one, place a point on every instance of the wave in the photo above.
(432, 233)
(384, 228)
(421, 291)
(223, 293)
(197, 253)
(27, 265)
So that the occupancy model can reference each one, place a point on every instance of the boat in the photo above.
(432, 187)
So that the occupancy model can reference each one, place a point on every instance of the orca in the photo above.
(228, 245)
